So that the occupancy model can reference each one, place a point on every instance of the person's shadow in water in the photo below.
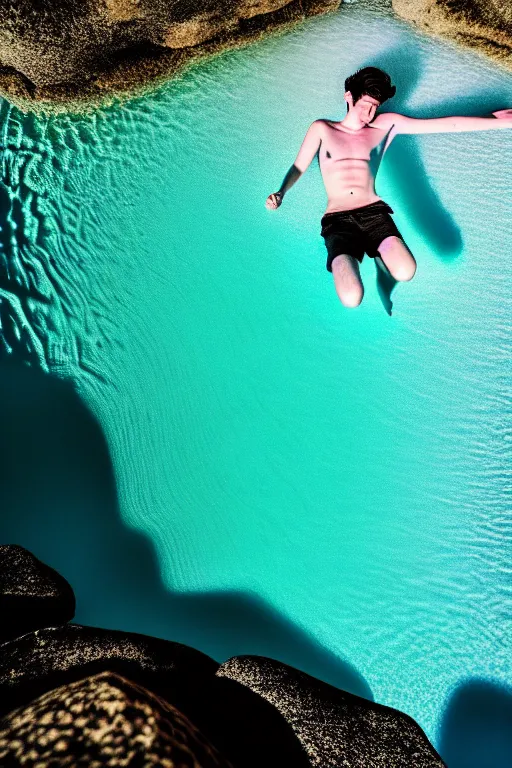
(58, 499)
(476, 729)
(403, 164)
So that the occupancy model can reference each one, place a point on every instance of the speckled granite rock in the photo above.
(43, 660)
(255, 711)
(104, 720)
(32, 595)
(482, 24)
(245, 727)
(69, 51)
(336, 728)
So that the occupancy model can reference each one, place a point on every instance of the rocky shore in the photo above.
(71, 56)
(120, 698)
(483, 25)
(59, 56)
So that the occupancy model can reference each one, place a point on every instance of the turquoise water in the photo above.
(288, 477)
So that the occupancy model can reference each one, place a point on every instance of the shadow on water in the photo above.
(58, 499)
(385, 284)
(477, 726)
(403, 162)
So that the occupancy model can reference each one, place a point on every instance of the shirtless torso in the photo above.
(349, 162)
(350, 151)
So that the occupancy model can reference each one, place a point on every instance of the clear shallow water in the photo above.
(320, 485)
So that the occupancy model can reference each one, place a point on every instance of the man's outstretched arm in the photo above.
(456, 124)
(308, 150)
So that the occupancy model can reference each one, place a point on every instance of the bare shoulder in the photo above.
(386, 120)
(320, 125)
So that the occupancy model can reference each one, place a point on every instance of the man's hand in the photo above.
(274, 200)
(506, 113)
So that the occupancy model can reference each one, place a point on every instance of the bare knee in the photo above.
(397, 258)
(347, 281)
(405, 272)
(351, 297)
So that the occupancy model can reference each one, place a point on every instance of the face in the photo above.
(365, 107)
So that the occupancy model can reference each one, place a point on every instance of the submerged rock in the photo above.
(104, 720)
(32, 595)
(482, 24)
(70, 55)
(70, 52)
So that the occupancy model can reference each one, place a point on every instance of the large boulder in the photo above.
(104, 720)
(47, 658)
(485, 25)
(255, 710)
(246, 728)
(32, 595)
(335, 728)
(64, 51)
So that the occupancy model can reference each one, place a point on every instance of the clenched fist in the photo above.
(274, 200)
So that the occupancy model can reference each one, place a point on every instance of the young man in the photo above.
(357, 220)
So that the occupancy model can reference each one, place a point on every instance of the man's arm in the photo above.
(404, 125)
(289, 180)
(307, 151)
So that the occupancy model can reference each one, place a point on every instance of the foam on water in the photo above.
(321, 485)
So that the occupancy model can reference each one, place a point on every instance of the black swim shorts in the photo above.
(358, 231)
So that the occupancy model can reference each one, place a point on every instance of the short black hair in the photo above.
(370, 81)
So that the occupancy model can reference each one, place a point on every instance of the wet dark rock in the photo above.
(335, 728)
(70, 52)
(48, 658)
(249, 711)
(104, 720)
(484, 25)
(32, 595)
(245, 727)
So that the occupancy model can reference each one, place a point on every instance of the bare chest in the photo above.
(339, 144)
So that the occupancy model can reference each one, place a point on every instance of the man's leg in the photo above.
(397, 258)
(347, 280)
